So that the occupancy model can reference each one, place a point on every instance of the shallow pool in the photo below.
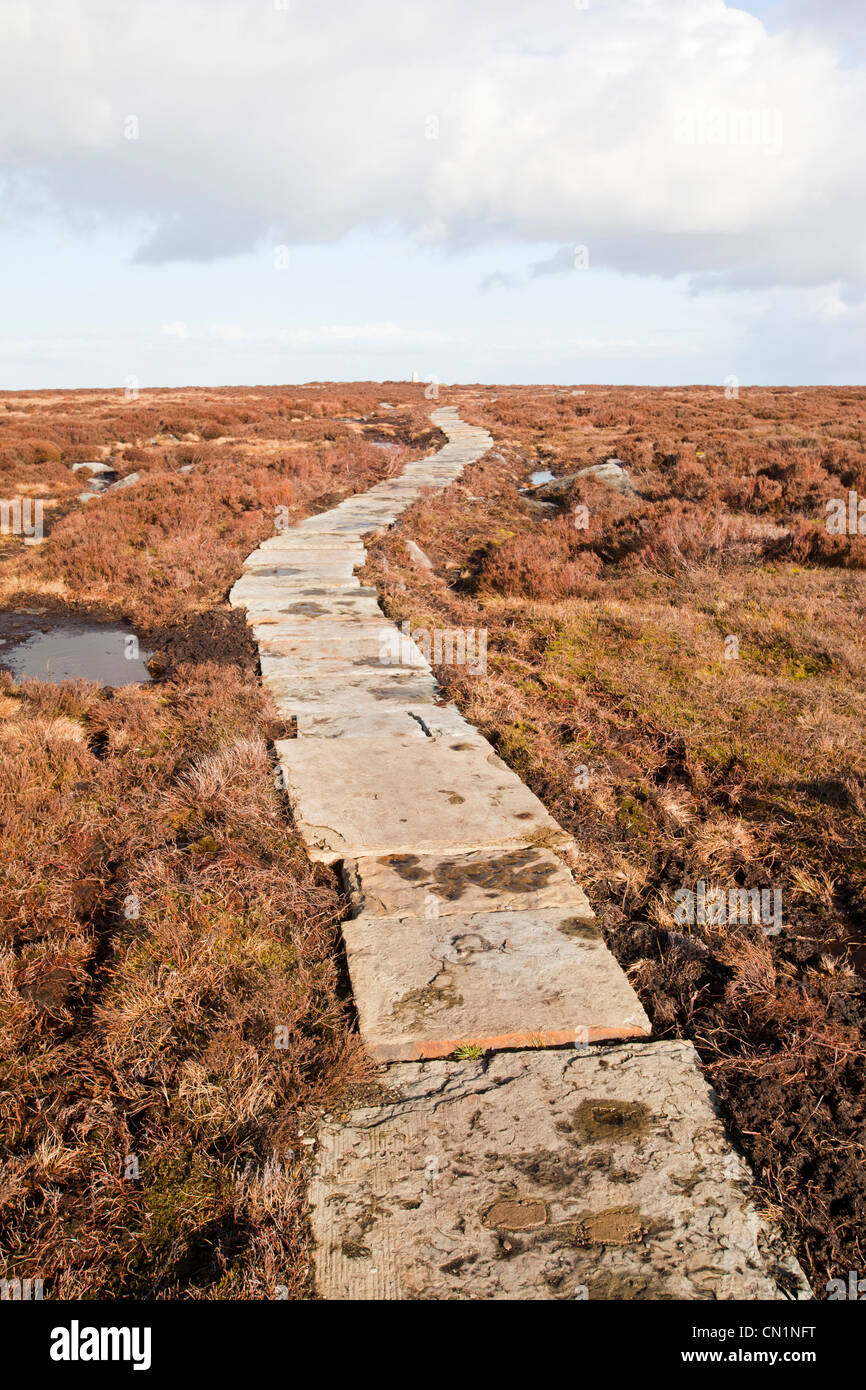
(70, 651)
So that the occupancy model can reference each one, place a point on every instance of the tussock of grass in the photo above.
(159, 926)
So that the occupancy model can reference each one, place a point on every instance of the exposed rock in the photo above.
(94, 468)
(417, 555)
(612, 472)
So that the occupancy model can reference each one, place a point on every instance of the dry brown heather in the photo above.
(154, 1036)
(606, 651)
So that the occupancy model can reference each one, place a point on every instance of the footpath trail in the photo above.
(596, 1170)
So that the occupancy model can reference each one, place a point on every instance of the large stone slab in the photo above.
(365, 717)
(352, 641)
(262, 592)
(364, 644)
(345, 693)
(355, 520)
(260, 598)
(402, 885)
(303, 561)
(339, 605)
(286, 674)
(361, 723)
(584, 1173)
(424, 986)
(366, 722)
(293, 575)
(353, 797)
(322, 626)
(293, 542)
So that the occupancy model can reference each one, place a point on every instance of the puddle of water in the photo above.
(383, 444)
(68, 652)
(543, 475)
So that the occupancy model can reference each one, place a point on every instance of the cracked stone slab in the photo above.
(424, 986)
(362, 723)
(354, 797)
(584, 1173)
(364, 718)
(497, 880)
(446, 721)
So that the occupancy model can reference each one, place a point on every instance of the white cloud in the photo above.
(833, 307)
(336, 337)
(826, 330)
(370, 337)
(665, 135)
(44, 349)
(229, 332)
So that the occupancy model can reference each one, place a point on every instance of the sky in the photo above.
(209, 192)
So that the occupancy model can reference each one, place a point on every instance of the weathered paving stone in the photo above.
(582, 1173)
(261, 598)
(346, 692)
(317, 626)
(498, 880)
(364, 717)
(379, 795)
(297, 576)
(356, 643)
(256, 592)
(424, 986)
(340, 606)
(292, 543)
(281, 562)
(287, 674)
(363, 723)
(322, 620)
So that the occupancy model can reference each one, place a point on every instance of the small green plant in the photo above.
(468, 1052)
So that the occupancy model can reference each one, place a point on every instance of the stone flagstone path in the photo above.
(600, 1170)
